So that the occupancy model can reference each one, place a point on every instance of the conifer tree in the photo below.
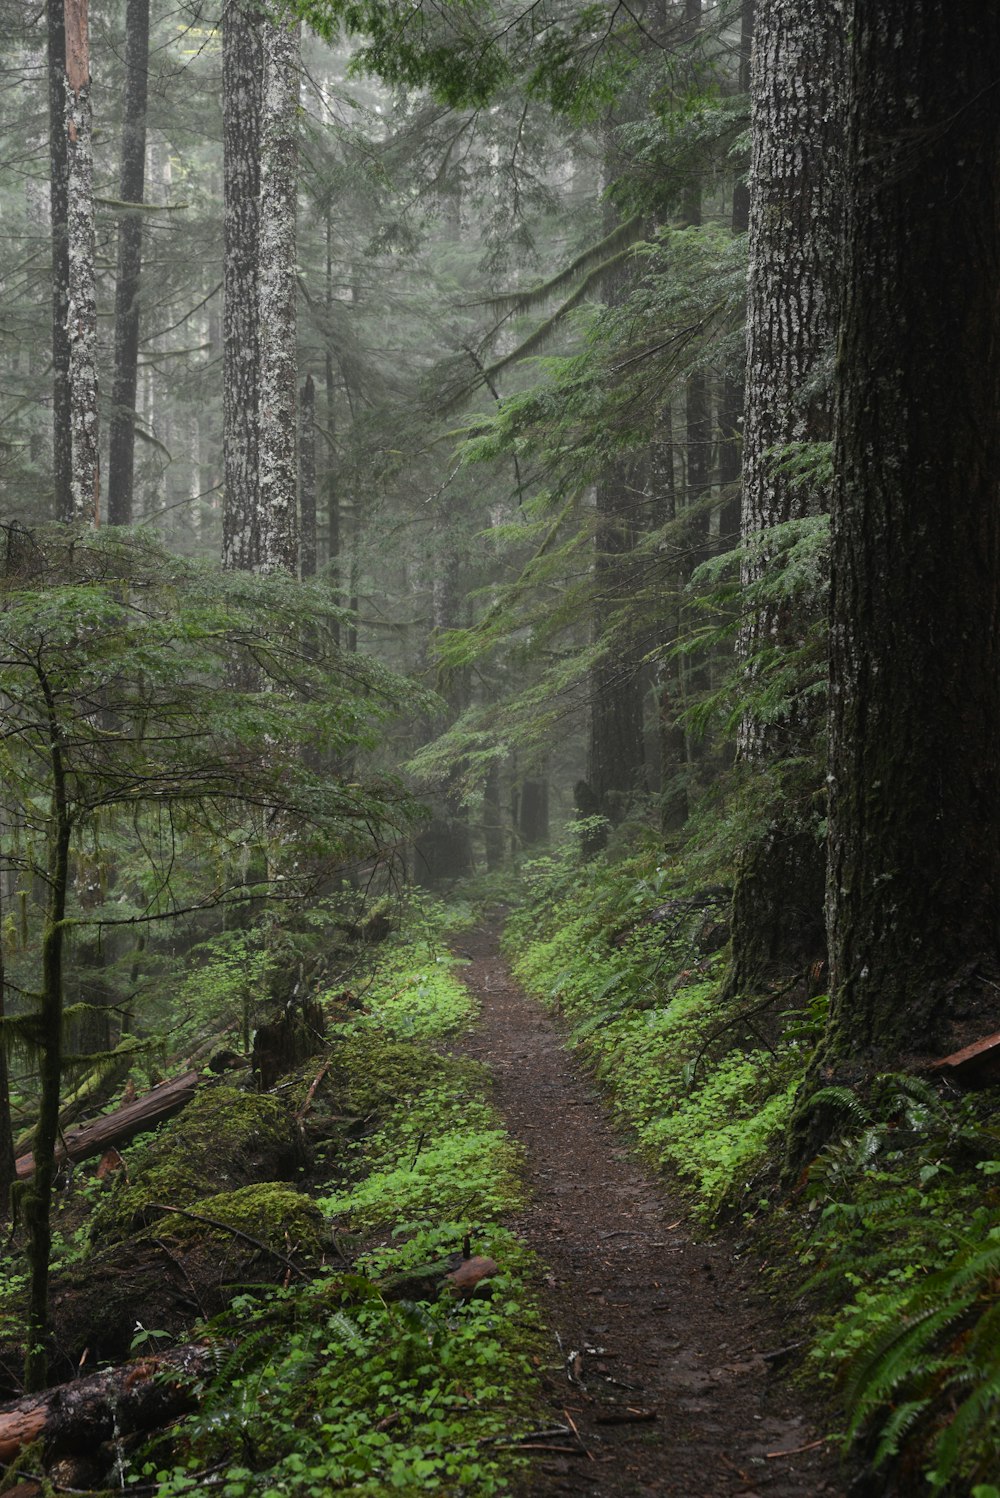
(914, 876)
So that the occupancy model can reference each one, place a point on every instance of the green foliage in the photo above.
(440, 1156)
(332, 1390)
(440, 1153)
(904, 1244)
(415, 994)
(326, 1387)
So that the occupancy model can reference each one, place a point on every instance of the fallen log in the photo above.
(116, 1128)
(78, 1416)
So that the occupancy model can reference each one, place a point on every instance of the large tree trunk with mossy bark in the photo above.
(796, 188)
(914, 845)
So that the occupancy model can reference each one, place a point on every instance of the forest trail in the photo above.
(680, 1326)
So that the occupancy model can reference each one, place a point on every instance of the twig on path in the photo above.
(772, 1456)
(625, 1417)
(573, 1428)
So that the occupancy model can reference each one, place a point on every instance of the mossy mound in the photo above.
(368, 1075)
(224, 1139)
(288, 1223)
(175, 1271)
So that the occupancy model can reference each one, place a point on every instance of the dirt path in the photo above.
(645, 1319)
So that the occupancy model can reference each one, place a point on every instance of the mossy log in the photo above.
(80, 1415)
(125, 1123)
(181, 1267)
(226, 1139)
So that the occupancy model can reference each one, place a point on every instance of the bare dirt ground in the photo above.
(659, 1372)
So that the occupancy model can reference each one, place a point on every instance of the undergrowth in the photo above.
(333, 1385)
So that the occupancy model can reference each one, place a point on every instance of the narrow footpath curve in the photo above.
(646, 1321)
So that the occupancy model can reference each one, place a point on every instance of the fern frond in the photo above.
(896, 1429)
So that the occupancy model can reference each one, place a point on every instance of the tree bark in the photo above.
(914, 866)
(276, 288)
(81, 286)
(76, 1417)
(132, 181)
(796, 195)
(242, 68)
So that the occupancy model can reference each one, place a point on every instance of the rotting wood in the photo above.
(136, 1396)
(979, 1061)
(93, 1137)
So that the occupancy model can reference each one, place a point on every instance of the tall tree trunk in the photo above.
(914, 874)
(796, 195)
(38, 1203)
(493, 828)
(616, 756)
(62, 456)
(121, 456)
(276, 289)
(669, 683)
(242, 69)
(7, 1167)
(307, 479)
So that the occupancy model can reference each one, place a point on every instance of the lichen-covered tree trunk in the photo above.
(58, 199)
(914, 867)
(796, 193)
(242, 70)
(276, 289)
(82, 308)
(132, 182)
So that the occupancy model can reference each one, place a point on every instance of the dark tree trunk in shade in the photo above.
(668, 685)
(533, 811)
(914, 847)
(242, 74)
(131, 189)
(616, 753)
(59, 202)
(796, 197)
(307, 479)
(493, 823)
(616, 760)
